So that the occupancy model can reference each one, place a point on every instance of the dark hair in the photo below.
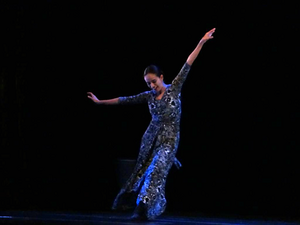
(153, 69)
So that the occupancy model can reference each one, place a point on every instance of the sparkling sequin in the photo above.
(158, 148)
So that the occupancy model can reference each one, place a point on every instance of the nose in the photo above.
(152, 85)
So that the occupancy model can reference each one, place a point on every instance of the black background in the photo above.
(240, 115)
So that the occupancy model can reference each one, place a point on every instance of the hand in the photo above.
(208, 35)
(93, 97)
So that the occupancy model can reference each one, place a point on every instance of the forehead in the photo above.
(150, 77)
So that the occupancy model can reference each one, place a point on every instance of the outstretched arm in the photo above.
(196, 51)
(112, 101)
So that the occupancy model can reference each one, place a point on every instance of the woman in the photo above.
(145, 189)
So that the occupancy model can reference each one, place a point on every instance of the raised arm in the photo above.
(112, 101)
(199, 46)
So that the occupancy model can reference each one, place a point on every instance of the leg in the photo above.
(151, 198)
(126, 198)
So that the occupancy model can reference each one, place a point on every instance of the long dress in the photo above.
(158, 148)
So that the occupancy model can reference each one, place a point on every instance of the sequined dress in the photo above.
(158, 148)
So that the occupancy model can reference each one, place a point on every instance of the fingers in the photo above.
(211, 31)
(90, 95)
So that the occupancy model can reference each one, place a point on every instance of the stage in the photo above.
(103, 218)
(239, 132)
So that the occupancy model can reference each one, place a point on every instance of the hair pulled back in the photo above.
(154, 70)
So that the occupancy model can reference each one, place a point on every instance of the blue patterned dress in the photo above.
(158, 148)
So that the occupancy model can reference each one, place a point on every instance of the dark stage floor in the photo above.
(47, 218)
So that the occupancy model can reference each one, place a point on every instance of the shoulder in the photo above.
(149, 93)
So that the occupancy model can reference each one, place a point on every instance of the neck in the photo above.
(163, 88)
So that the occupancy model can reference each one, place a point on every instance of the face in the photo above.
(154, 82)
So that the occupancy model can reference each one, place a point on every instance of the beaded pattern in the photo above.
(158, 148)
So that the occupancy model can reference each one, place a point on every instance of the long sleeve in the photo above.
(180, 78)
(135, 99)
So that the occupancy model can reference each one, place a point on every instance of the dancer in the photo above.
(145, 188)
